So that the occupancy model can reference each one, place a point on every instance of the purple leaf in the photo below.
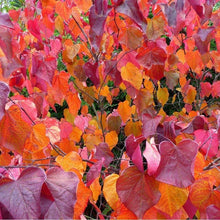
(134, 152)
(137, 191)
(5, 42)
(103, 151)
(202, 39)
(150, 124)
(176, 165)
(94, 172)
(22, 197)
(6, 21)
(4, 92)
(97, 18)
(111, 69)
(131, 9)
(62, 186)
(170, 12)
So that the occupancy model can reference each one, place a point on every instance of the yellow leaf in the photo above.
(96, 189)
(124, 110)
(132, 74)
(59, 25)
(162, 95)
(71, 161)
(172, 198)
(111, 139)
(109, 190)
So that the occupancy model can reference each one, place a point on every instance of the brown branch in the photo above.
(33, 165)
(87, 39)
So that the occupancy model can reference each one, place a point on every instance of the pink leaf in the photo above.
(150, 124)
(103, 152)
(62, 186)
(176, 165)
(134, 152)
(190, 208)
(207, 141)
(81, 122)
(4, 92)
(22, 197)
(152, 156)
(213, 212)
(137, 191)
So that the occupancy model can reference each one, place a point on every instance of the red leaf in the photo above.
(150, 124)
(4, 92)
(152, 57)
(134, 152)
(34, 28)
(103, 151)
(137, 191)
(131, 9)
(63, 186)
(176, 163)
(22, 197)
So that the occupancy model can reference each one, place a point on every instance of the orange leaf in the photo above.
(83, 194)
(70, 161)
(111, 139)
(202, 194)
(155, 27)
(14, 130)
(134, 128)
(83, 5)
(124, 110)
(75, 134)
(70, 51)
(74, 103)
(109, 190)
(132, 74)
(190, 95)
(172, 198)
(96, 189)
(63, 10)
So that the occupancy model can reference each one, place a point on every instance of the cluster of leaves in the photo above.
(110, 109)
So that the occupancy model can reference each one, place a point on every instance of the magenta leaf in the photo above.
(94, 172)
(152, 156)
(103, 151)
(137, 191)
(97, 18)
(207, 141)
(91, 71)
(131, 9)
(22, 197)
(6, 21)
(43, 69)
(4, 92)
(213, 212)
(176, 165)
(62, 186)
(190, 208)
(150, 124)
(134, 152)
(197, 123)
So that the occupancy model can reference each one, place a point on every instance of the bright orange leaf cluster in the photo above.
(110, 109)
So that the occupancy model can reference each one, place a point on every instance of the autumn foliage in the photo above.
(110, 110)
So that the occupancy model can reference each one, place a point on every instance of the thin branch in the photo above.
(87, 39)
(33, 165)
